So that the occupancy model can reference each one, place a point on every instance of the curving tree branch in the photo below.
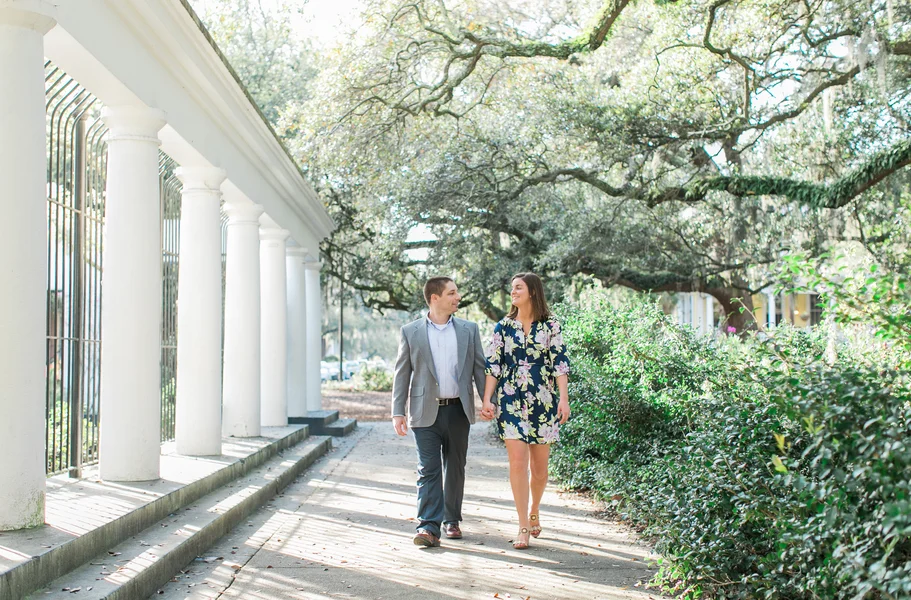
(464, 49)
(900, 48)
(834, 195)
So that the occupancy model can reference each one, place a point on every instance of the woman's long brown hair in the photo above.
(539, 308)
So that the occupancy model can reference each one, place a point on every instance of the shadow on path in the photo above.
(343, 530)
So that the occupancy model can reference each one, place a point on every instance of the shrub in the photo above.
(373, 380)
(759, 470)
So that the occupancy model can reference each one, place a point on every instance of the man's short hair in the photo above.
(435, 285)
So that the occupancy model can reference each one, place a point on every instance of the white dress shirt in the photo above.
(445, 349)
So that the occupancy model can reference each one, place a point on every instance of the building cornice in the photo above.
(172, 36)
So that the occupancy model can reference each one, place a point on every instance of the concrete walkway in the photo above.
(343, 530)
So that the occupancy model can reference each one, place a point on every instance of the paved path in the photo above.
(344, 529)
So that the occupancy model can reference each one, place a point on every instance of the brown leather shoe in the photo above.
(426, 539)
(452, 531)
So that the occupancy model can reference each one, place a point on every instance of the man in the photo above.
(438, 358)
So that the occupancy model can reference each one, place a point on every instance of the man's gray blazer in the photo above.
(416, 383)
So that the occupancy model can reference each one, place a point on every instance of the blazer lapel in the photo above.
(461, 344)
(422, 337)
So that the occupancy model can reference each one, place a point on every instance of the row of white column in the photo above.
(272, 333)
(252, 388)
(270, 368)
(697, 310)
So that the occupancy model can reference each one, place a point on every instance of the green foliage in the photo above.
(373, 380)
(760, 469)
(874, 297)
(633, 142)
(261, 46)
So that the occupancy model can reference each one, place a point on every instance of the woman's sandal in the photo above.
(535, 525)
(519, 544)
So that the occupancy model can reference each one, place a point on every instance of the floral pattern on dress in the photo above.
(526, 367)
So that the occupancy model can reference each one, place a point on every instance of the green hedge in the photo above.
(759, 470)
(373, 380)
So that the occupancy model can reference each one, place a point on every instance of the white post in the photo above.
(241, 416)
(130, 437)
(314, 335)
(709, 313)
(685, 300)
(698, 311)
(274, 332)
(297, 331)
(198, 426)
(770, 309)
(23, 265)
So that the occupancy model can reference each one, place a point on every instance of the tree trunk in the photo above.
(490, 311)
(738, 309)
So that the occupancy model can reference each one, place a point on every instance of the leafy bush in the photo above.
(760, 470)
(373, 380)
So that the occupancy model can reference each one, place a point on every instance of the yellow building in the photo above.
(798, 310)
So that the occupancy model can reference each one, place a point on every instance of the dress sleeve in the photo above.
(494, 354)
(557, 349)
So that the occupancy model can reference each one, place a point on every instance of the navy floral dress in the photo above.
(526, 367)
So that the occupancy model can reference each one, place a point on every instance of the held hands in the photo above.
(487, 410)
(400, 425)
(563, 410)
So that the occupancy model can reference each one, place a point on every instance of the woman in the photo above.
(526, 365)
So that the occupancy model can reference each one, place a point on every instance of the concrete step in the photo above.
(87, 516)
(339, 428)
(325, 422)
(139, 566)
(316, 418)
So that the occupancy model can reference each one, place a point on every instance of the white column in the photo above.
(314, 335)
(770, 309)
(274, 332)
(130, 437)
(241, 406)
(198, 427)
(297, 330)
(685, 306)
(698, 311)
(709, 320)
(23, 265)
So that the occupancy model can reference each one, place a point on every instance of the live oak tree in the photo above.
(272, 60)
(656, 145)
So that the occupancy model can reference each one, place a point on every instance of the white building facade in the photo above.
(246, 304)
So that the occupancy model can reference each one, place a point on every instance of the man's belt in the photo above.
(448, 401)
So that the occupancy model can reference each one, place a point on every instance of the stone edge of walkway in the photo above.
(154, 559)
(41, 569)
